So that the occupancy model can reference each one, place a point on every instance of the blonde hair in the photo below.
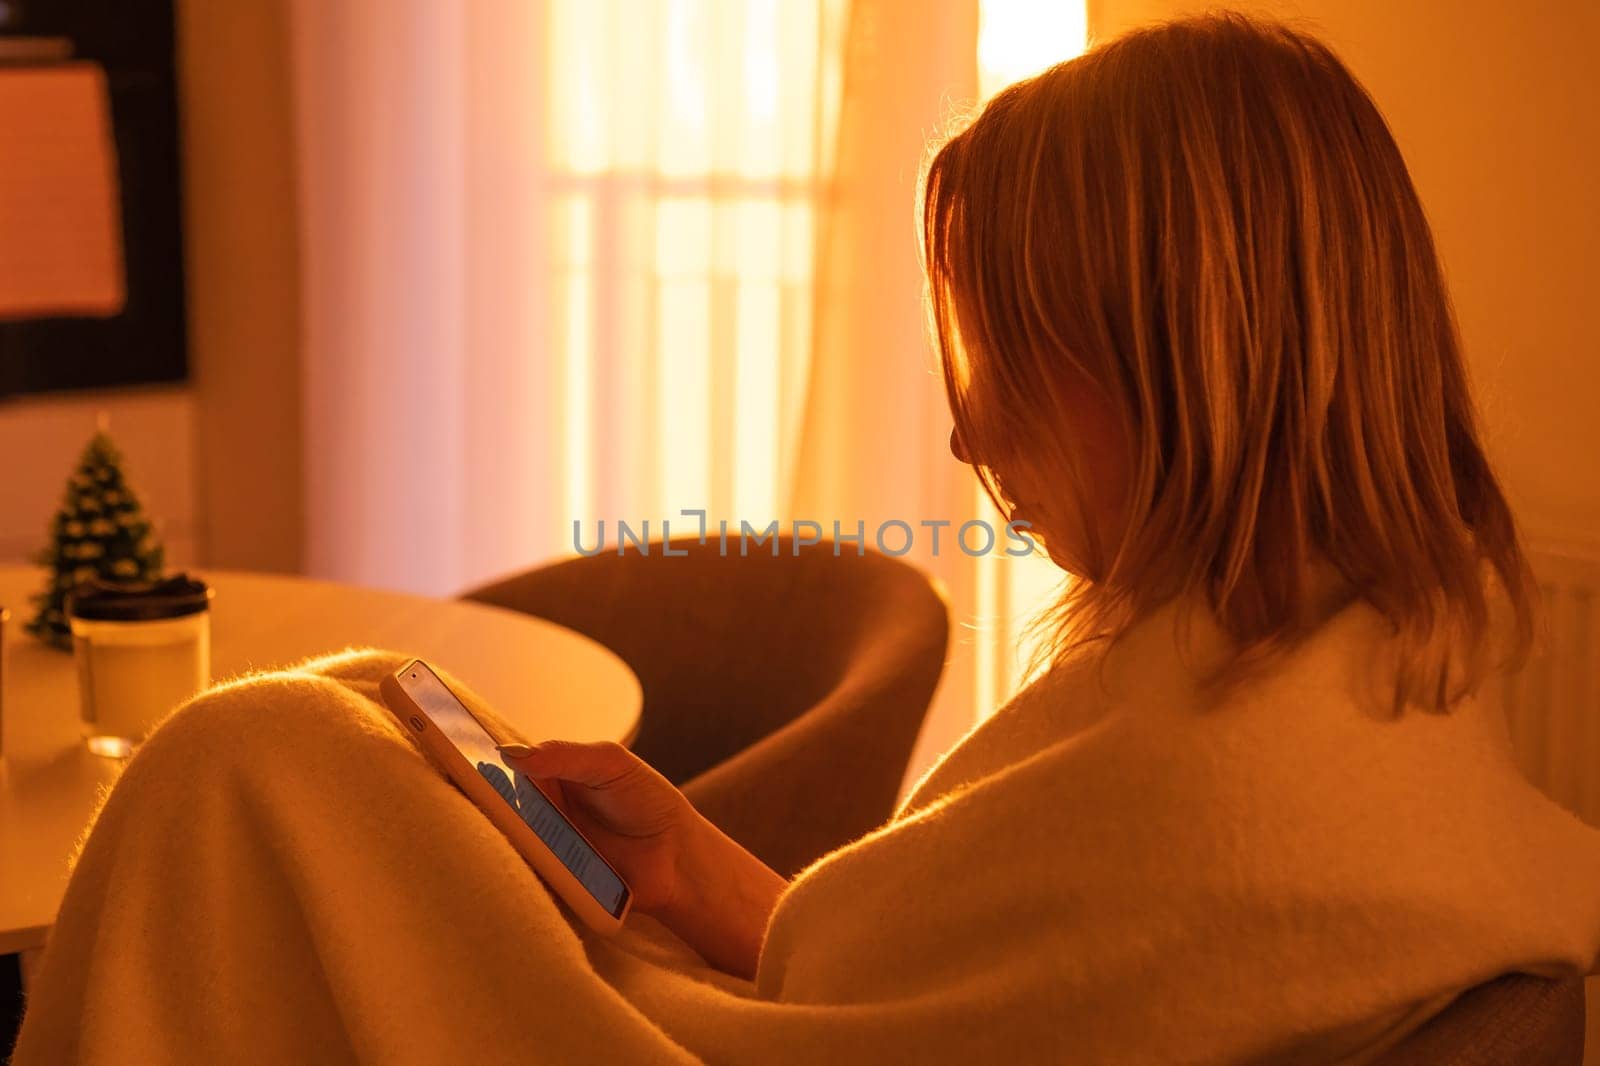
(1208, 223)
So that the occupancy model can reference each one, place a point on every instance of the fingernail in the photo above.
(516, 751)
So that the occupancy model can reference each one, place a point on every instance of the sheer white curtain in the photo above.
(559, 261)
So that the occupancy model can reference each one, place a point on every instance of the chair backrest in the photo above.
(1514, 1020)
(783, 692)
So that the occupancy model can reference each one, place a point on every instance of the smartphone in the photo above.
(458, 744)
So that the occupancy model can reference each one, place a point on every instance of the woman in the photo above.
(1194, 330)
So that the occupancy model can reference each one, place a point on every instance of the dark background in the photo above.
(133, 41)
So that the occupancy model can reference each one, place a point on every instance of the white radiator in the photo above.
(1553, 705)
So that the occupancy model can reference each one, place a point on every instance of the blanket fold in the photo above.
(1094, 874)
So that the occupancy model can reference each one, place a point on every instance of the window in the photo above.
(685, 140)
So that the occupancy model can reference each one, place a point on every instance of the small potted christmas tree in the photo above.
(99, 532)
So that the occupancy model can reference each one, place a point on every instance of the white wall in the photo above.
(1493, 106)
(42, 437)
(241, 240)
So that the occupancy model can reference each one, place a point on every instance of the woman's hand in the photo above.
(684, 871)
(633, 815)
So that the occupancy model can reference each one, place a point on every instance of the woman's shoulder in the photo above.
(1322, 704)
(1293, 838)
(1051, 707)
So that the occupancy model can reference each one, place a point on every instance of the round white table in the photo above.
(542, 678)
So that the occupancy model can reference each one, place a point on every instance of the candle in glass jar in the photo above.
(141, 651)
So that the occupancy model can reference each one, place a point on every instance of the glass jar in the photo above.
(141, 650)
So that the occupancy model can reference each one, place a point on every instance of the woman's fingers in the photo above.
(593, 765)
(604, 782)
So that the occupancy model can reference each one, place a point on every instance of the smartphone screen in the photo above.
(516, 788)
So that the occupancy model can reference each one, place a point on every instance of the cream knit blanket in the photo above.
(1089, 876)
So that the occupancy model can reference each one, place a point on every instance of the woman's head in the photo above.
(1193, 325)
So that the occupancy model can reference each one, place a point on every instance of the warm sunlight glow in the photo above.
(579, 67)
(758, 320)
(684, 456)
(760, 62)
(577, 311)
(1019, 38)
(686, 123)
(689, 132)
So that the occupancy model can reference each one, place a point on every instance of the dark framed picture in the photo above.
(133, 40)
